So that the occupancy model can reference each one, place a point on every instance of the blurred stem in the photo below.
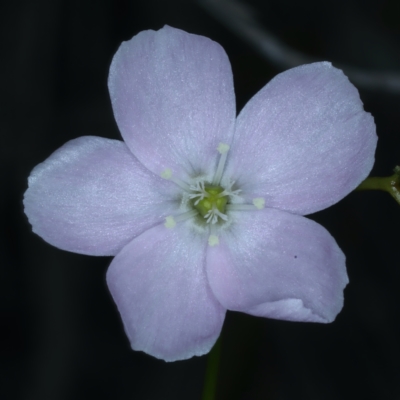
(210, 380)
(390, 184)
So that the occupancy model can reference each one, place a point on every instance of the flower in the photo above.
(203, 211)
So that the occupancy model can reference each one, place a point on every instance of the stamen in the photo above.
(223, 149)
(258, 204)
(170, 221)
(167, 174)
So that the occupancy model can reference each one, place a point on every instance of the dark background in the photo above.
(60, 334)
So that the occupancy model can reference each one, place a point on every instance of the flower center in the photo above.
(209, 203)
(209, 200)
(213, 200)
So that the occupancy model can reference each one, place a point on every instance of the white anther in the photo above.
(166, 174)
(223, 148)
(170, 222)
(213, 240)
(259, 202)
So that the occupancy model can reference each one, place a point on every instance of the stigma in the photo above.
(210, 201)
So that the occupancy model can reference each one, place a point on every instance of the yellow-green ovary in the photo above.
(205, 205)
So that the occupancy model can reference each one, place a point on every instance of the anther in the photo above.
(259, 202)
(213, 240)
(170, 222)
(223, 148)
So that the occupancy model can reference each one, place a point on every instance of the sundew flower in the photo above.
(203, 211)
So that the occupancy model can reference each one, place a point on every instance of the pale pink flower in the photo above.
(203, 211)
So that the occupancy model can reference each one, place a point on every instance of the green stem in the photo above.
(390, 184)
(210, 380)
(375, 183)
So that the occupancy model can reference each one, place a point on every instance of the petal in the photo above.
(92, 196)
(278, 265)
(158, 282)
(173, 99)
(304, 141)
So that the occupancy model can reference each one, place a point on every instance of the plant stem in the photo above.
(375, 183)
(210, 380)
(390, 184)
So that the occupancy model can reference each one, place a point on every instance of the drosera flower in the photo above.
(203, 211)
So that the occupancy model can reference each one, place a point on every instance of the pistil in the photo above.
(211, 205)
